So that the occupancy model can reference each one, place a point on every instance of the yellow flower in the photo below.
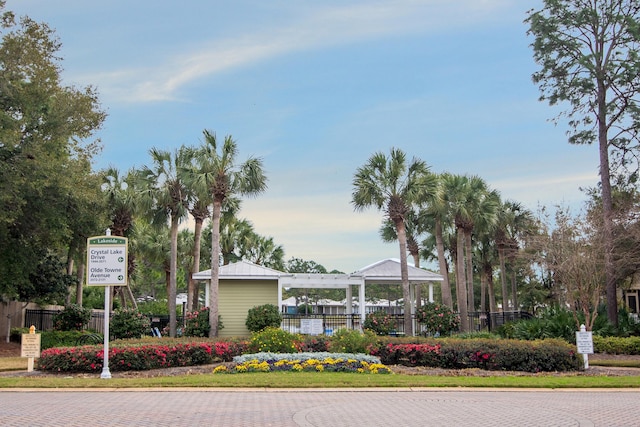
(360, 371)
(319, 368)
(241, 368)
(297, 367)
(220, 368)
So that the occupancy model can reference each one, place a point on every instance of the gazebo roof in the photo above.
(388, 271)
(244, 270)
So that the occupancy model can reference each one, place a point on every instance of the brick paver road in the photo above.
(310, 408)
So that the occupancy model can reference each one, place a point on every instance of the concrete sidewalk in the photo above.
(310, 408)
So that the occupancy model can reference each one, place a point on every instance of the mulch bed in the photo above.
(13, 350)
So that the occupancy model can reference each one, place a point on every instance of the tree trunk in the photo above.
(503, 280)
(444, 271)
(173, 270)
(404, 273)
(471, 301)
(514, 289)
(607, 206)
(81, 278)
(416, 264)
(461, 285)
(490, 289)
(192, 293)
(214, 284)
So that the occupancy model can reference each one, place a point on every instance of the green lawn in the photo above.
(324, 380)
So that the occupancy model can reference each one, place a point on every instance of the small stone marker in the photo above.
(30, 347)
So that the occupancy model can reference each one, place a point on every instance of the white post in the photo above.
(106, 374)
(585, 356)
(349, 306)
(430, 291)
(361, 301)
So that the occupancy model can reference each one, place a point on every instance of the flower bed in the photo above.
(503, 355)
(305, 362)
(137, 357)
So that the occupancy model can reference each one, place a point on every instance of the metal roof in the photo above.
(244, 270)
(386, 271)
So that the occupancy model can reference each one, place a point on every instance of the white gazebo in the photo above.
(385, 272)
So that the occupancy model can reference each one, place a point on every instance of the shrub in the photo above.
(274, 340)
(263, 316)
(380, 322)
(351, 341)
(74, 317)
(314, 343)
(129, 323)
(437, 319)
(616, 345)
(491, 354)
(197, 323)
(138, 357)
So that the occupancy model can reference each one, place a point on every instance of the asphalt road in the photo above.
(311, 408)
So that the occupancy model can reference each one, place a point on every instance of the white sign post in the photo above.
(107, 264)
(584, 342)
(30, 347)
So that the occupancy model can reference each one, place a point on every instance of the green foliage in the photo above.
(351, 341)
(437, 319)
(380, 322)
(616, 345)
(197, 324)
(491, 354)
(263, 316)
(315, 343)
(49, 339)
(274, 340)
(48, 194)
(153, 307)
(73, 318)
(129, 323)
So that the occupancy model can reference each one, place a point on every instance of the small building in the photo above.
(244, 285)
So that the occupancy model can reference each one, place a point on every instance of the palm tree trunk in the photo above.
(173, 269)
(483, 292)
(215, 269)
(461, 285)
(503, 280)
(471, 301)
(444, 271)
(416, 264)
(490, 289)
(192, 293)
(514, 290)
(404, 273)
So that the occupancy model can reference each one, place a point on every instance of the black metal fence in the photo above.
(296, 323)
(478, 322)
(43, 320)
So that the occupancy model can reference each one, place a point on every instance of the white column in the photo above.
(362, 303)
(430, 291)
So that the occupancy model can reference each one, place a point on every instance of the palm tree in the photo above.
(454, 195)
(415, 225)
(393, 186)
(219, 174)
(436, 214)
(168, 198)
(122, 198)
(484, 207)
(266, 253)
(513, 222)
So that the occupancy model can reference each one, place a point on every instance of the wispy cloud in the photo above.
(315, 28)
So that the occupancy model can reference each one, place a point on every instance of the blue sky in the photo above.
(314, 88)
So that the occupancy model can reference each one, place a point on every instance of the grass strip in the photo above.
(310, 380)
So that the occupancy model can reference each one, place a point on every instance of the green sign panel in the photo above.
(107, 261)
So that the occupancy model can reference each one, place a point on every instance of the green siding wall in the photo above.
(237, 297)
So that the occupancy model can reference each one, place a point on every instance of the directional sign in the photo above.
(107, 261)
